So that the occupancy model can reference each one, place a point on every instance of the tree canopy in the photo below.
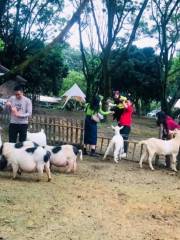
(33, 35)
(136, 73)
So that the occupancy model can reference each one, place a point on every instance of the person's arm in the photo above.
(8, 105)
(104, 113)
(125, 104)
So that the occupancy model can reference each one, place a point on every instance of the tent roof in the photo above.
(75, 91)
(177, 104)
(49, 99)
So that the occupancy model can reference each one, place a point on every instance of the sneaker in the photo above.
(93, 153)
(124, 155)
(85, 152)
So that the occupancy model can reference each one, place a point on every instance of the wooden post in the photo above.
(178, 161)
(82, 133)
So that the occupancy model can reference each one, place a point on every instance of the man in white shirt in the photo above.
(20, 108)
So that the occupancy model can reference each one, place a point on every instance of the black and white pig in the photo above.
(64, 156)
(26, 157)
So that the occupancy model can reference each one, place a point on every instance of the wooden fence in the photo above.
(134, 150)
(58, 130)
(61, 130)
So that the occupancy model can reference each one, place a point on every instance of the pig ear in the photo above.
(112, 127)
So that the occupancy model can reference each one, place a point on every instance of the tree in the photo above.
(73, 77)
(173, 85)
(26, 23)
(166, 17)
(1, 45)
(136, 74)
(20, 69)
(116, 13)
(72, 57)
(46, 74)
(91, 63)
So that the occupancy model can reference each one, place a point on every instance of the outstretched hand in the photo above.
(111, 112)
(8, 104)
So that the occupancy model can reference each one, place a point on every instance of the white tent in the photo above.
(177, 104)
(74, 92)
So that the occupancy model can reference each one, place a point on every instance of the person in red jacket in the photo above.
(125, 120)
(168, 124)
(171, 124)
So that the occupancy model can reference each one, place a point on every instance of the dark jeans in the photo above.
(125, 131)
(17, 129)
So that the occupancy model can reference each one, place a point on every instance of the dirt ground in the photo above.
(102, 200)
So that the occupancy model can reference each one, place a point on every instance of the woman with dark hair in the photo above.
(90, 132)
(118, 107)
(125, 120)
(168, 124)
(161, 121)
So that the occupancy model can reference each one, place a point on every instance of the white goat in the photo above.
(64, 155)
(37, 137)
(25, 158)
(161, 147)
(116, 144)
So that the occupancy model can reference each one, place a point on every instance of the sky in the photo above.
(73, 40)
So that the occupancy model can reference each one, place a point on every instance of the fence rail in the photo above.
(58, 130)
(134, 151)
(61, 130)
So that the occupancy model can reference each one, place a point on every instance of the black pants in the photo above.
(125, 134)
(17, 129)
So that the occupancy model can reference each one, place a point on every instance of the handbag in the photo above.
(97, 117)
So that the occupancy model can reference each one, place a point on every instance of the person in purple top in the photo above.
(20, 108)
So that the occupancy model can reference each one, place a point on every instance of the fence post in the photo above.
(82, 133)
(178, 160)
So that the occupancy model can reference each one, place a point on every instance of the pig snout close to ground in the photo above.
(65, 156)
(26, 159)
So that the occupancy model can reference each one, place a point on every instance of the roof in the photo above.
(75, 91)
(4, 70)
(49, 99)
(7, 88)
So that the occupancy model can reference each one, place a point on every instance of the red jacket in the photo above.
(126, 116)
(171, 124)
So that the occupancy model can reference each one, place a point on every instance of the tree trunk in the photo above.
(2, 8)
(74, 19)
(54, 86)
(138, 106)
(136, 24)
(106, 81)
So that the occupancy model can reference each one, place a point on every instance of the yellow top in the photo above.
(120, 105)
